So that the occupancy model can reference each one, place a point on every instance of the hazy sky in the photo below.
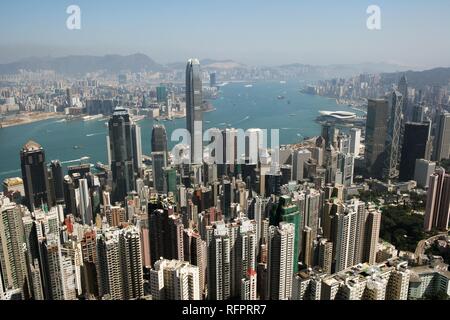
(414, 33)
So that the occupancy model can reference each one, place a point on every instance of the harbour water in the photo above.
(239, 106)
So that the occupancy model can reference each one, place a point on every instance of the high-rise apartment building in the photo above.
(280, 270)
(175, 280)
(442, 138)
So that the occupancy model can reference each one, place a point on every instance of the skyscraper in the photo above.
(121, 149)
(219, 246)
(437, 212)
(85, 202)
(194, 116)
(393, 147)
(159, 162)
(58, 181)
(403, 89)
(422, 172)
(34, 175)
(280, 261)
(376, 132)
(372, 233)
(355, 143)
(137, 148)
(175, 280)
(442, 138)
(159, 139)
(119, 264)
(13, 267)
(415, 146)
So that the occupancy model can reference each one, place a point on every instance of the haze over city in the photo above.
(250, 32)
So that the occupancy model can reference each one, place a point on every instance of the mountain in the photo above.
(79, 65)
(210, 64)
(420, 79)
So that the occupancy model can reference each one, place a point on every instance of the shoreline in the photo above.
(29, 118)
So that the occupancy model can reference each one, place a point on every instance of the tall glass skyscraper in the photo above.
(122, 152)
(392, 151)
(34, 175)
(194, 116)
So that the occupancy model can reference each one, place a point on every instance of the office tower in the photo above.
(372, 234)
(218, 243)
(376, 132)
(330, 133)
(355, 141)
(418, 113)
(343, 143)
(119, 264)
(345, 239)
(131, 262)
(175, 280)
(34, 175)
(422, 172)
(415, 144)
(403, 89)
(13, 266)
(272, 182)
(438, 202)
(58, 180)
(331, 165)
(226, 200)
(299, 159)
(345, 167)
(161, 94)
(166, 235)
(280, 261)
(393, 146)
(121, 148)
(159, 139)
(159, 162)
(137, 148)
(213, 79)
(194, 115)
(85, 207)
(442, 138)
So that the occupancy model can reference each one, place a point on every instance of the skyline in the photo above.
(278, 32)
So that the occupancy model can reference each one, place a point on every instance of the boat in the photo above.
(249, 86)
(94, 117)
(137, 118)
(282, 82)
(76, 147)
(292, 115)
(281, 97)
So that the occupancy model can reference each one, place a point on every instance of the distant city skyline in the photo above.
(253, 33)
